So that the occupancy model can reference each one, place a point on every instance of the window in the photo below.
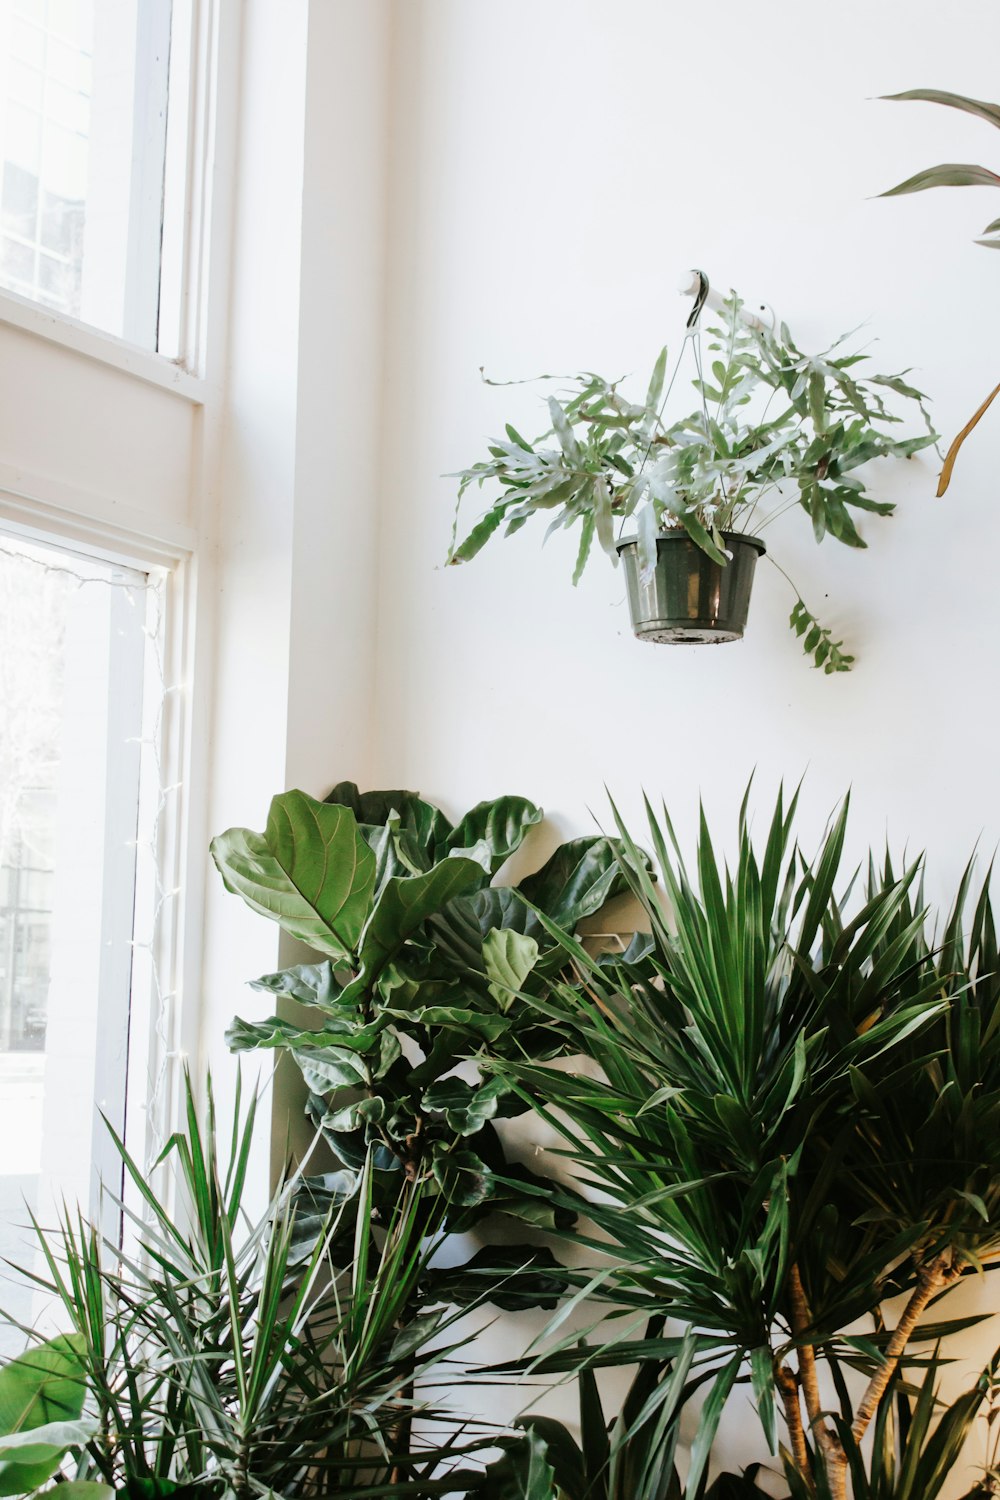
(83, 144)
(74, 640)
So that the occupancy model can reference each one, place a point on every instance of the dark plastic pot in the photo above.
(690, 600)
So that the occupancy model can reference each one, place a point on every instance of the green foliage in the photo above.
(41, 1413)
(632, 1455)
(439, 962)
(954, 174)
(797, 1118)
(817, 641)
(916, 1442)
(773, 426)
(213, 1359)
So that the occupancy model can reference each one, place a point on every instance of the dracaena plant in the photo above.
(796, 1121)
(956, 174)
(773, 428)
(421, 960)
(220, 1355)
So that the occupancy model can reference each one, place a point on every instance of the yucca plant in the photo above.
(211, 1357)
(631, 1455)
(956, 174)
(797, 1120)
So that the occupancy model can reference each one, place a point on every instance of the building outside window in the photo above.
(83, 108)
(73, 681)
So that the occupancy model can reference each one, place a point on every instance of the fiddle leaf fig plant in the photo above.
(956, 174)
(424, 963)
(773, 427)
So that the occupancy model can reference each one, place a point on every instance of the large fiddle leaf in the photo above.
(514, 1277)
(492, 831)
(41, 1403)
(375, 809)
(509, 958)
(576, 882)
(309, 984)
(311, 870)
(522, 1473)
(466, 1107)
(405, 904)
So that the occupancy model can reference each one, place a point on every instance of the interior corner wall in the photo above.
(339, 434)
(554, 167)
(291, 579)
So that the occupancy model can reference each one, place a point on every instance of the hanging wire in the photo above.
(692, 336)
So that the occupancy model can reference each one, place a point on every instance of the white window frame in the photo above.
(56, 513)
(181, 306)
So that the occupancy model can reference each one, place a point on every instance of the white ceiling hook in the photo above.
(695, 283)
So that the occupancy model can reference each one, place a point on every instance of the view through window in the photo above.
(83, 113)
(71, 628)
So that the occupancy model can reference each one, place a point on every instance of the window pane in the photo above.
(69, 799)
(83, 100)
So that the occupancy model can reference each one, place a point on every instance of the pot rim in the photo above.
(676, 533)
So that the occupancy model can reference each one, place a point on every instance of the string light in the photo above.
(152, 927)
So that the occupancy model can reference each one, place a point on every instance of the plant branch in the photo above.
(801, 1318)
(788, 1387)
(933, 1278)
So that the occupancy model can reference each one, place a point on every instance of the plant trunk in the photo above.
(788, 1386)
(933, 1278)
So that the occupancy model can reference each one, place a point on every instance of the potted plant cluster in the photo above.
(786, 1135)
(795, 1125)
(773, 427)
(956, 174)
(221, 1355)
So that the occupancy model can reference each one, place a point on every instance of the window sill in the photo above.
(30, 317)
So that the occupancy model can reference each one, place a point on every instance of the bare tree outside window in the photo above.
(72, 652)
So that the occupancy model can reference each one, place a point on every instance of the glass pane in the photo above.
(83, 98)
(69, 796)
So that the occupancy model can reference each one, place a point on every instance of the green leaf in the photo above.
(480, 533)
(655, 390)
(45, 1384)
(492, 831)
(312, 871)
(711, 1414)
(980, 107)
(373, 810)
(564, 432)
(523, 1473)
(464, 1177)
(514, 1277)
(50, 1440)
(466, 1108)
(586, 542)
(576, 881)
(21, 1479)
(948, 174)
(603, 521)
(83, 1489)
(405, 904)
(509, 958)
(309, 984)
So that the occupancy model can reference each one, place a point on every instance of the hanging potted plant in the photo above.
(773, 427)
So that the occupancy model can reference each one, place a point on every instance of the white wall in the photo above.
(555, 166)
